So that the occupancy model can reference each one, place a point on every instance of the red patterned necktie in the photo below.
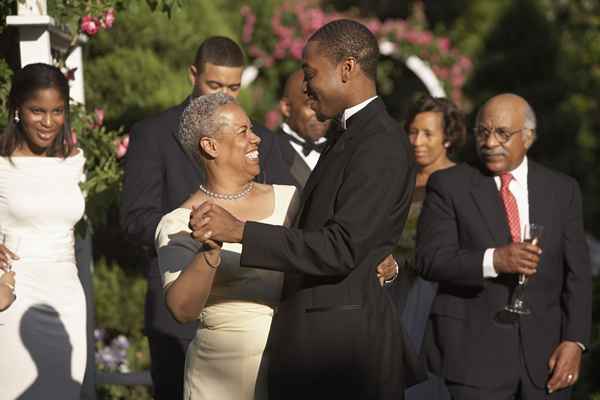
(510, 206)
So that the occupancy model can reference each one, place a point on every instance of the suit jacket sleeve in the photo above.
(376, 177)
(439, 254)
(142, 196)
(577, 290)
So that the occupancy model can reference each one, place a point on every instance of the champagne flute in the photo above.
(532, 233)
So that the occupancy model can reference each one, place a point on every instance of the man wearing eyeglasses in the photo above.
(469, 240)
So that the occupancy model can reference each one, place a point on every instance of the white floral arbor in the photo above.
(41, 40)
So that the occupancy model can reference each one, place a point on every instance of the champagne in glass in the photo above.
(532, 233)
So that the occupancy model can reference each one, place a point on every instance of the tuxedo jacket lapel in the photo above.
(300, 170)
(487, 198)
(331, 154)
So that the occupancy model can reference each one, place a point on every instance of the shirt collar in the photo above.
(286, 128)
(520, 173)
(348, 112)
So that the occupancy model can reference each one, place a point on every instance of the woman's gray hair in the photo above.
(200, 119)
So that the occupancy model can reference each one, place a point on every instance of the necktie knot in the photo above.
(505, 180)
(511, 207)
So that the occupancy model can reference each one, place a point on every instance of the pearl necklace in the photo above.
(235, 196)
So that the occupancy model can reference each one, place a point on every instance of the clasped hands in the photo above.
(212, 224)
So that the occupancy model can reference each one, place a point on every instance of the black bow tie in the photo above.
(307, 146)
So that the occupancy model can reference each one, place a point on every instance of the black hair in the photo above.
(219, 50)
(26, 82)
(344, 38)
(454, 126)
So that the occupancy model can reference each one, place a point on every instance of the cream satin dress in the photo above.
(43, 333)
(226, 359)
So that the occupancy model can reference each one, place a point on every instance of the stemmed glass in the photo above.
(532, 233)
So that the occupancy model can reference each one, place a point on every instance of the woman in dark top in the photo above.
(436, 129)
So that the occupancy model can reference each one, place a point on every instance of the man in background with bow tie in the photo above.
(301, 130)
(469, 239)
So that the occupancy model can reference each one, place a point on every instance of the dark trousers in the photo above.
(516, 386)
(167, 362)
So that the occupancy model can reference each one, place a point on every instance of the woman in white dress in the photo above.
(234, 304)
(43, 333)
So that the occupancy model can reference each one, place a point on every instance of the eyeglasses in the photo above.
(502, 135)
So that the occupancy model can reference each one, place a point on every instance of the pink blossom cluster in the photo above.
(293, 23)
(121, 146)
(91, 25)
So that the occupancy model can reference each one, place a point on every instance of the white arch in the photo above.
(419, 67)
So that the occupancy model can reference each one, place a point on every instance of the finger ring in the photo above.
(569, 377)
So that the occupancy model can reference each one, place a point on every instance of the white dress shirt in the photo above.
(348, 112)
(312, 157)
(518, 188)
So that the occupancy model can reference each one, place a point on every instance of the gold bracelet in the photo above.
(208, 262)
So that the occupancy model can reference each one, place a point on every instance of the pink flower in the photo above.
(90, 25)
(99, 113)
(249, 21)
(374, 26)
(296, 49)
(73, 136)
(444, 44)
(121, 145)
(70, 74)
(108, 18)
(272, 119)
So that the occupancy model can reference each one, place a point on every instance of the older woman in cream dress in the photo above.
(204, 281)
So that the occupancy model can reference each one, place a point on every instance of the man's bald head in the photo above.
(511, 101)
(296, 110)
(294, 86)
(504, 131)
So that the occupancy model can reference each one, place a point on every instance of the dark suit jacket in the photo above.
(338, 335)
(463, 216)
(299, 169)
(159, 177)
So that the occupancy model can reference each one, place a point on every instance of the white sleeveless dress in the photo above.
(225, 360)
(43, 333)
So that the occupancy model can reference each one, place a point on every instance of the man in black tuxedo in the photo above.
(302, 131)
(337, 334)
(159, 177)
(469, 241)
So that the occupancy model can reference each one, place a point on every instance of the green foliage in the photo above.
(5, 76)
(7, 7)
(119, 300)
(115, 392)
(139, 67)
(103, 172)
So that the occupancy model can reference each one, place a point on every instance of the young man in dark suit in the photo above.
(159, 177)
(469, 240)
(301, 130)
(337, 333)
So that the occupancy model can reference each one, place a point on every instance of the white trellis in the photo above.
(40, 40)
(419, 67)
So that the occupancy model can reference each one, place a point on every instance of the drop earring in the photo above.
(16, 118)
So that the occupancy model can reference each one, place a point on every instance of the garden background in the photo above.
(136, 60)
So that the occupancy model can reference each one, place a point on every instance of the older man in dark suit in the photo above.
(469, 240)
(302, 131)
(337, 334)
(159, 177)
